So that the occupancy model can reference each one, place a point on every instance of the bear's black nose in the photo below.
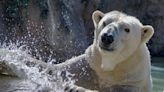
(107, 39)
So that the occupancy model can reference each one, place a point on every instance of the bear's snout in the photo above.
(107, 38)
(108, 33)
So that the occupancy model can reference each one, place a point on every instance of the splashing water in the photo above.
(22, 65)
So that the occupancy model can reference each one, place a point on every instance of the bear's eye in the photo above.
(127, 30)
(104, 24)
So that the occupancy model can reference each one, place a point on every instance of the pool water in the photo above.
(14, 58)
(158, 74)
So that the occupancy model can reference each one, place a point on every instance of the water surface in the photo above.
(158, 74)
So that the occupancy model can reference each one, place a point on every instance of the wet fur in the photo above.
(130, 75)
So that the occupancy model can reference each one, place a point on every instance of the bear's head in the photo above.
(117, 36)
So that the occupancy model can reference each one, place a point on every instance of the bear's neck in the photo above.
(123, 69)
(138, 58)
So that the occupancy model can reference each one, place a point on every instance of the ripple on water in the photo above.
(16, 60)
(158, 79)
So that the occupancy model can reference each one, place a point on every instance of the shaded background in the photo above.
(60, 29)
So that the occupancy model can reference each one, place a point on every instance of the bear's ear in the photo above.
(147, 33)
(96, 17)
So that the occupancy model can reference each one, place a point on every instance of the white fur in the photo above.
(129, 64)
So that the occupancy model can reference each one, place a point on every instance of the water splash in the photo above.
(21, 64)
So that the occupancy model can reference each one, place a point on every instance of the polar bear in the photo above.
(118, 60)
